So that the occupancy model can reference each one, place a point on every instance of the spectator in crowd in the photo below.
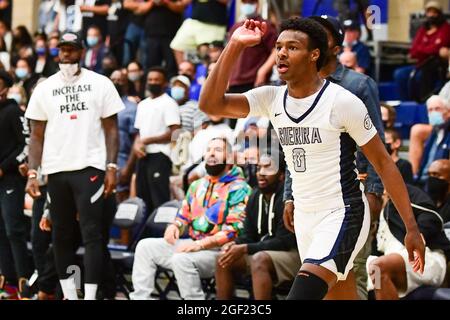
(393, 145)
(126, 118)
(25, 76)
(429, 142)
(249, 164)
(157, 119)
(94, 13)
(187, 68)
(96, 50)
(53, 50)
(135, 75)
(109, 64)
(22, 43)
(18, 93)
(45, 65)
(388, 115)
(134, 35)
(212, 212)
(430, 38)
(208, 24)
(348, 60)
(6, 35)
(118, 19)
(254, 66)
(214, 51)
(180, 89)
(162, 21)
(353, 43)
(265, 249)
(438, 187)
(6, 11)
(397, 277)
(14, 263)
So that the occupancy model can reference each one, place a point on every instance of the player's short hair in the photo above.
(318, 38)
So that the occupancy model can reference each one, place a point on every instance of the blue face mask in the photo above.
(435, 118)
(15, 96)
(177, 93)
(40, 51)
(21, 73)
(54, 52)
(248, 9)
(92, 41)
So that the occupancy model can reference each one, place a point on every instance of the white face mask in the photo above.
(68, 71)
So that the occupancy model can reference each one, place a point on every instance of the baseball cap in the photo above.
(351, 25)
(333, 25)
(71, 38)
(6, 78)
(433, 4)
(183, 79)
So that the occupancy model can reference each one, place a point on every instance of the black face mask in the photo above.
(436, 188)
(155, 89)
(434, 21)
(216, 169)
(119, 89)
(389, 148)
(250, 173)
(108, 71)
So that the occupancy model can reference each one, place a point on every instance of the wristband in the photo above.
(32, 174)
(111, 166)
(288, 201)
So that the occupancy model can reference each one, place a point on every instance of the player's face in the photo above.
(69, 54)
(267, 173)
(293, 56)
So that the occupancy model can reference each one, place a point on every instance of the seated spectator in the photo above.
(96, 50)
(430, 38)
(135, 74)
(352, 42)
(208, 24)
(348, 59)
(254, 66)
(25, 76)
(126, 159)
(438, 187)
(248, 160)
(17, 93)
(212, 212)
(393, 145)
(45, 65)
(388, 116)
(180, 89)
(264, 249)
(429, 142)
(188, 69)
(397, 277)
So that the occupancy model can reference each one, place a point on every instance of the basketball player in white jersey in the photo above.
(319, 125)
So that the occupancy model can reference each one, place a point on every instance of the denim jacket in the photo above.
(365, 89)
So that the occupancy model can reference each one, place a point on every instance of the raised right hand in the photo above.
(250, 33)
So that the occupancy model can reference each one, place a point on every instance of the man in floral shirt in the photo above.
(213, 211)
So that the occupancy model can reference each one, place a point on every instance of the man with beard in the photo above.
(213, 213)
(265, 249)
(157, 118)
(438, 187)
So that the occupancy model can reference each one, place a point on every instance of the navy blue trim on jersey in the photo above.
(354, 208)
(303, 116)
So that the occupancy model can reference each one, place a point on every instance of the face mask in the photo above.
(119, 89)
(133, 76)
(435, 118)
(436, 188)
(21, 73)
(15, 96)
(92, 41)
(248, 9)
(216, 169)
(54, 52)
(177, 93)
(107, 72)
(389, 148)
(40, 51)
(155, 89)
(68, 71)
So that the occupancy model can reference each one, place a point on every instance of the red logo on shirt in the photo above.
(73, 117)
(93, 178)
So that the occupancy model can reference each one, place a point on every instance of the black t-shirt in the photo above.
(161, 21)
(444, 211)
(117, 20)
(405, 168)
(90, 18)
(209, 11)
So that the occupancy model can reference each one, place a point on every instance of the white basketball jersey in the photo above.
(319, 135)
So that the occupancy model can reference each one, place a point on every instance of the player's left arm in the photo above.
(111, 130)
(376, 153)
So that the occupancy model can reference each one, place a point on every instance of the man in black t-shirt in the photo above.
(94, 13)
(393, 144)
(208, 24)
